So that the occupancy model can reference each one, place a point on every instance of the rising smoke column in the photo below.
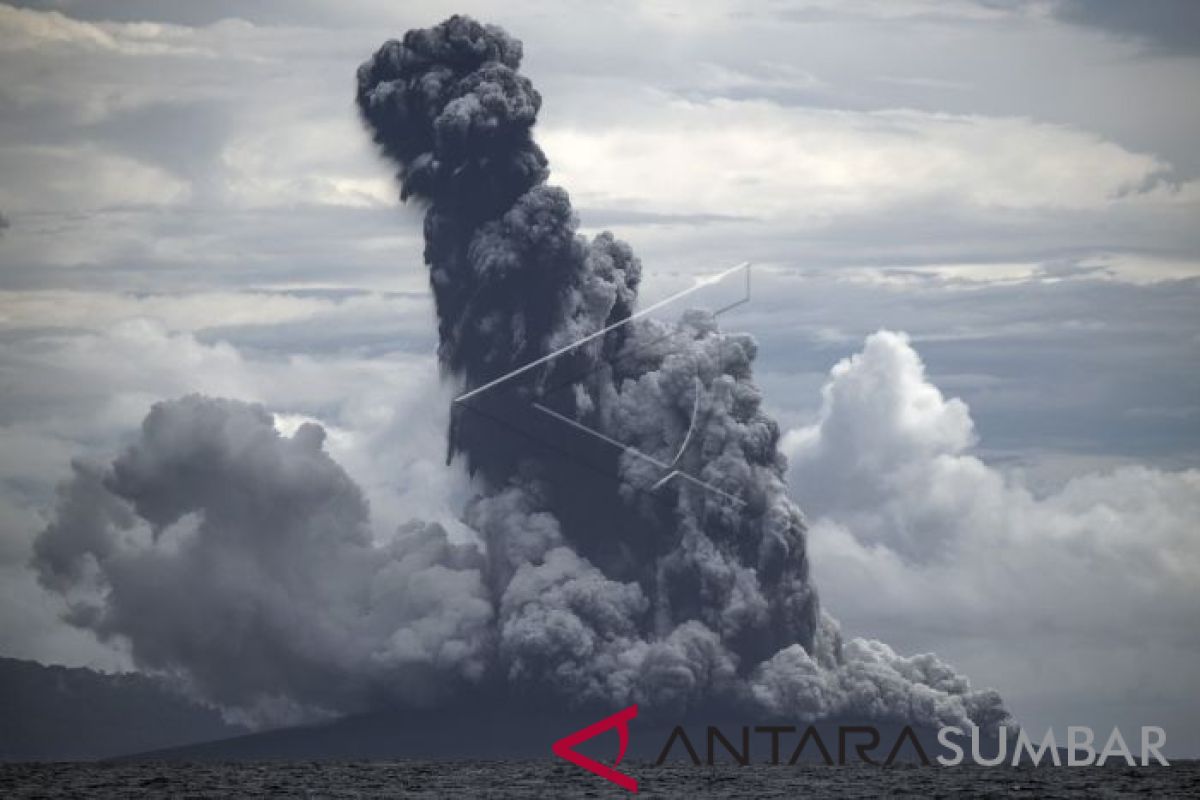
(513, 280)
(239, 560)
(723, 599)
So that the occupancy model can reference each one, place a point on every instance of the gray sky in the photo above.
(190, 204)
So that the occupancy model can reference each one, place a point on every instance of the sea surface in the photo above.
(554, 779)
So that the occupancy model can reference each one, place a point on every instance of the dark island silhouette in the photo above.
(53, 713)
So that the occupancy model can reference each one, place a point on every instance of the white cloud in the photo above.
(910, 532)
(762, 76)
(887, 478)
(43, 178)
(195, 311)
(1135, 268)
(306, 161)
(1141, 267)
(24, 29)
(807, 165)
(98, 310)
(83, 393)
(899, 9)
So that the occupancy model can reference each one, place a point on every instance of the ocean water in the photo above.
(554, 779)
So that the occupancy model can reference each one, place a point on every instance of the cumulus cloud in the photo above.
(879, 417)
(912, 532)
(886, 473)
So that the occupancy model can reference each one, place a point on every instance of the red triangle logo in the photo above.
(564, 747)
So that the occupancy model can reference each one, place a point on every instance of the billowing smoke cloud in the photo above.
(513, 280)
(214, 546)
(240, 560)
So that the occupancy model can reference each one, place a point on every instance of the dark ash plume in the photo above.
(700, 598)
(241, 561)
(514, 280)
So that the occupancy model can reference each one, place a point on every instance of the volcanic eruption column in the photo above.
(698, 598)
(241, 562)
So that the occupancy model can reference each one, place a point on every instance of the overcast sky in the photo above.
(188, 203)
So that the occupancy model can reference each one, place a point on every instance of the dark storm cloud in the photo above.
(1169, 27)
